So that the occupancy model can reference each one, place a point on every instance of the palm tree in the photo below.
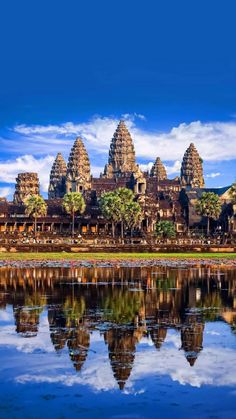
(73, 202)
(35, 206)
(133, 215)
(165, 229)
(109, 205)
(232, 192)
(119, 207)
(209, 206)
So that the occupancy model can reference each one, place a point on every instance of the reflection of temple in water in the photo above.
(131, 302)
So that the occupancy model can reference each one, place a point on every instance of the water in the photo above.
(118, 343)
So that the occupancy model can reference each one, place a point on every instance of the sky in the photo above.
(74, 67)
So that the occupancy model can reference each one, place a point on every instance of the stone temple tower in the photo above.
(78, 176)
(26, 184)
(158, 170)
(57, 184)
(121, 155)
(191, 169)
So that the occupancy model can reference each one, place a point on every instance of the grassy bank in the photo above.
(113, 256)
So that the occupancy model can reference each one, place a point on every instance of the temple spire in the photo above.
(26, 184)
(121, 155)
(78, 177)
(158, 170)
(191, 169)
(57, 178)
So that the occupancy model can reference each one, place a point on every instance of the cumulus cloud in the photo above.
(214, 140)
(27, 163)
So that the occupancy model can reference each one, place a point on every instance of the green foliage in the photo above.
(232, 192)
(35, 206)
(109, 205)
(211, 306)
(74, 310)
(209, 205)
(92, 257)
(110, 257)
(165, 229)
(119, 207)
(122, 306)
(74, 202)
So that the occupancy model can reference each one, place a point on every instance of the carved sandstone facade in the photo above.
(78, 175)
(121, 159)
(191, 169)
(57, 182)
(26, 184)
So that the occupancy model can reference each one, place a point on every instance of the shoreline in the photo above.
(122, 260)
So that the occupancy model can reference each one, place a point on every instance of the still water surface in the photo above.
(118, 343)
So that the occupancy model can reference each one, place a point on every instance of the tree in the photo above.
(73, 202)
(133, 215)
(119, 207)
(209, 206)
(165, 229)
(35, 206)
(126, 203)
(232, 192)
(109, 204)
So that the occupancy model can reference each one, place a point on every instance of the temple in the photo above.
(160, 198)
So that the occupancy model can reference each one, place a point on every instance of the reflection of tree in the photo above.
(211, 304)
(74, 310)
(27, 316)
(122, 306)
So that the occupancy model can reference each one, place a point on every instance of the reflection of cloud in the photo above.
(41, 342)
(215, 365)
(4, 316)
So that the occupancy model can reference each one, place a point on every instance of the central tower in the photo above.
(121, 159)
(78, 176)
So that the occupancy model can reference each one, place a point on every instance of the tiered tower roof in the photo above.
(121, 155)
(158, 170)
(57, 178)
(26, 184)
(191, 169)
(78, 164)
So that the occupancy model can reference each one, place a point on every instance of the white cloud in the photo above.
(213, 175)
(173, 169)
(214, 140)
(26, 163)
(6, 191)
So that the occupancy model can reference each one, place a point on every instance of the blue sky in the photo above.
(75, 67)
